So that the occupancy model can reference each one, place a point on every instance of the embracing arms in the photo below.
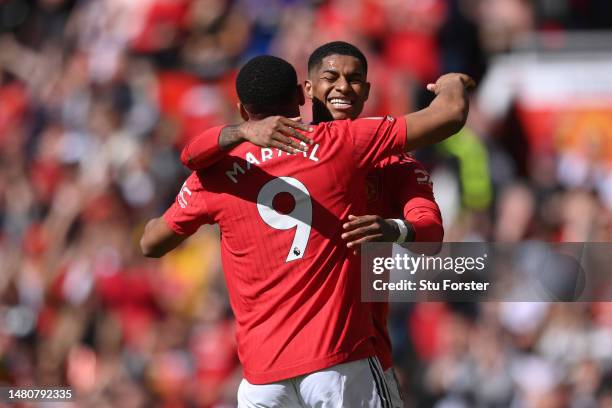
(444, 117)
(274, 131)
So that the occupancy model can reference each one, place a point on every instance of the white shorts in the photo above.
(359, 383)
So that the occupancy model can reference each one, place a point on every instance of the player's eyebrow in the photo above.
(356, 74)
(330, 71)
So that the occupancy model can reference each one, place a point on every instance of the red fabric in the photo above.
(416, 53)
(45, 176)
(391, 136)
(425, 327)
(402, 188)
(426, 222)
(162, 25)
(294, 316)
(412, 46)
(13, 106)
(399, 187)
(47, 320)
(194, 105)
(36, 240)
(344, 19)
(215, 356)
(172, 86)
(415, 192)
(203, 150)
(130, 294)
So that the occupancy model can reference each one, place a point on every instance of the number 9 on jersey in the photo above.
(300, 217)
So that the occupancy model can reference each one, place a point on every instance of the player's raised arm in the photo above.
(376, 138)
(446, 114)
(273, 131)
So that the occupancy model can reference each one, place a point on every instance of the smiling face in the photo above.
(338, 88)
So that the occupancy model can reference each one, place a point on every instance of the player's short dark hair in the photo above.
(266, 82)
(336, 48)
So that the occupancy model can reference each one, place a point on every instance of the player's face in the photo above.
(338, 88)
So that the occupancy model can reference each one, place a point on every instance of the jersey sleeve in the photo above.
(377, 138)
(188, 212)
(412, 191)
(203, 151)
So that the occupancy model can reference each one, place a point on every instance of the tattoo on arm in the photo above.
(230, 137)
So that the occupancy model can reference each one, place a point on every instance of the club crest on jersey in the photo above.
(423, 177)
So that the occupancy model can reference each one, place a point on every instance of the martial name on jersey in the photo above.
(266, 154)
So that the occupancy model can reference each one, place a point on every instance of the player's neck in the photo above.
(288, 113)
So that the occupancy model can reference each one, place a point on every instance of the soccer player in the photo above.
(338, 87)
(293, 284)
(401, 204)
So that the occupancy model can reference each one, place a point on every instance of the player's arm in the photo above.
(446, 114)
(418, 224)
(374, 139)
(186, 214)
(274, 131)
(420, 209)
(420, 220)
(415, 198)
(158, 239)
(374, 228)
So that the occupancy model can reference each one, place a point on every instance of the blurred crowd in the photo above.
(97, 97)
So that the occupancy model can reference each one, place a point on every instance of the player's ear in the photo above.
(300, 93)
(367, 91)
(308, 88)
(243, 112)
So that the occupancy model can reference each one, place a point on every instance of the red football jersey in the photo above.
(293, 284)
(399, 186)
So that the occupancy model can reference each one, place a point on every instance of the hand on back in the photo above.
(277, 132)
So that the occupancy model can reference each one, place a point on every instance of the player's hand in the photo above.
(461, 82)
(278, 132)
(369, 228)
